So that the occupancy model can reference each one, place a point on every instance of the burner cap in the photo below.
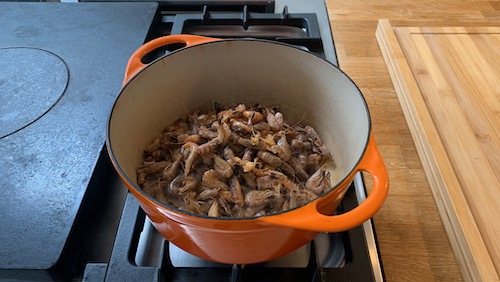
(31, 82)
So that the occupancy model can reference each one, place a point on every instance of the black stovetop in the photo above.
(63, 78)
(65, 213)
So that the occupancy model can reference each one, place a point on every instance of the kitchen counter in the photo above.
(413, 242)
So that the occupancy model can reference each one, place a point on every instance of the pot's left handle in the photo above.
(135, 62)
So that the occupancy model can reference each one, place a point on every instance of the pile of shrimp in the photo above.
(235, 162)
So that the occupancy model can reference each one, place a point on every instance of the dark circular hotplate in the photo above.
(31, 82)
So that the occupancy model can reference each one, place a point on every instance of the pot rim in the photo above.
(131, 184)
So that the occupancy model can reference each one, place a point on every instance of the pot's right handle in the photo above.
(135, 62)
(309, 218)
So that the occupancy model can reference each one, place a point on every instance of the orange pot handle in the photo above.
(309, 218)
(135, 64)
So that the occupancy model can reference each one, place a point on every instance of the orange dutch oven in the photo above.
(305, 87)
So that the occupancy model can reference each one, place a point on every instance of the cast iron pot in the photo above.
(306, 88)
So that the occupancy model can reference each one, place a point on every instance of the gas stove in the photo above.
(66, 214)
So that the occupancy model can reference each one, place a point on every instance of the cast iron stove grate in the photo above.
(297, 29)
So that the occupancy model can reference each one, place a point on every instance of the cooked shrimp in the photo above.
(227, 133)
(287, 183)
(235, 162)
(229, 155)
(266, 182)
(248, 154)
(189, 183)
(155, 145)
(214, 209)
(222, 167)
(314, 161)
(262, 126)
(174, 185)
(206, 133)
(152, 187)
(276, 161)
(253, 117)
(314, 137)
(190, 150)
(190, 203)
(297, 143)
(144, 176)
(250, 179)
(224, 203)
(319, 182)
(171, 171)
(252, 211)
(270, 158)
(275, 121)
(230, 113)
(211, 179)
(158, 155)
(236, 192)
(249, 143)
(298, 168)
(241, 127)
(154, 167)
(258, 197)
(282, 149)
(195, 138)
(207, 194)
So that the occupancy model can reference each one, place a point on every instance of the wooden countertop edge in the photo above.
(465, 239)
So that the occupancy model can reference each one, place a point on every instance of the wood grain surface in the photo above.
(447, 81)
(413, 243)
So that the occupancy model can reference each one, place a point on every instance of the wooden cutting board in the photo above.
(448, 84)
